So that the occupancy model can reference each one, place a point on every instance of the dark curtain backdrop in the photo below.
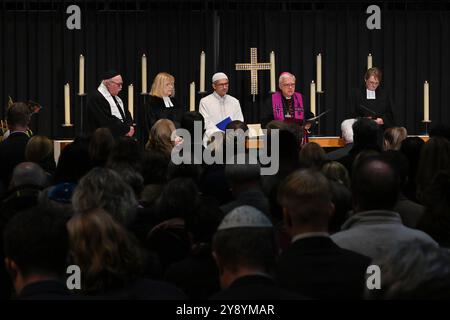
(39, 54)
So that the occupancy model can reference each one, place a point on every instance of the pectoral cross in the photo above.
(253, 67)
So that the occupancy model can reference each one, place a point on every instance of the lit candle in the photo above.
(192, 97)
(426, 101)
(272, 71)
(369, 61)
(144, 73)
(313, 97)
(66, 104)
(130, 100)
(202, 71)
(81, 73)
(319, 73)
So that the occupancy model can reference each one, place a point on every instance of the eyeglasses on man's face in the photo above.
(288, 85)
(119, 84)
(224, 84)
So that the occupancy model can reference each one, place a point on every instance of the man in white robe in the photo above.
(219, 108)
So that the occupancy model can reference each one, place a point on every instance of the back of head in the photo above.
(411, 147)
(160, 136)
(28, 173)
(367, 134)
(311, 155)
(18, 115)
(393, 138)
(126, 151)
(335, 171)
(104, 188)
(440, 130)
(73, 163)
(347, 130)
(38, 149)
(37, 241)
(243, 169)
(399, 162)
(100, 146)
(178, 198)
(375, 184)
(413, 270)
(306, 194)
(245, 238)
(104, 250)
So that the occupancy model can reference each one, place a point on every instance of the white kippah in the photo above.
(219, 76)
(245, 217)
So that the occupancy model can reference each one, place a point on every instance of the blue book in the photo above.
(223, 124)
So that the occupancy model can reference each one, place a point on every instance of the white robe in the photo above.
(215, 108)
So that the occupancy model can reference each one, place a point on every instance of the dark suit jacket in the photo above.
(12, 152)
(382, 106)
(255, 287)
(156, 109)
(316, 267)
(99, 116)
(46, 290)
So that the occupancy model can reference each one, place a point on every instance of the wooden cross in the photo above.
(253, 66)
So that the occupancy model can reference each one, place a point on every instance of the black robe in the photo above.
(155, 109)
(382, 106)
(99, 116)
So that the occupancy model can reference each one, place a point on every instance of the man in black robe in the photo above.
(106, 109)
(372, 101)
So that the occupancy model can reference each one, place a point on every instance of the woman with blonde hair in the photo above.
(393, 138)
(161, 103)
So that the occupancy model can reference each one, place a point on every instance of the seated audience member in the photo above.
(39, 150)
(245, 250)
(374, 228)
(436, 219)
(411, 148)
(244, 181)
(126, 152)
(409, 211)
(36, 250)
(313, 265)
(104, 188)
(312, 156)
(347, 136)
(413, 271)
(393, 138)
(160, 137)
(100, 146)
(111, 260)
(12, 150)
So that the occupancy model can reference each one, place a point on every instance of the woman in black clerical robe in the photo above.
(372, 101)
(161, 103)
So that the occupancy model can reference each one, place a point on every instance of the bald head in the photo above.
(28, 173)
(375, 184)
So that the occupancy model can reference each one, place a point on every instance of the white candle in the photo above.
(313, 97)
(319, 73)
(369, 61)
(202, 71)
(130, 100)
(192, 97)
(81, 74)
(144, 73)
(426, 101)
(66, 104)
(272, 72)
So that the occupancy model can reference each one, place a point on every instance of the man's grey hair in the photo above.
(347, 130)
(104, 188)
(28, 173)
(285, 75)
(413, 270)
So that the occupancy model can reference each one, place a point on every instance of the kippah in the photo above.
(245, 217)
(110, 74)
(62, 192)
(219, 76)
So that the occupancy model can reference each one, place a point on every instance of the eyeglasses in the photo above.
(288, 85)
(222, 84)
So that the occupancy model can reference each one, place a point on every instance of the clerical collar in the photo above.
(219, 97)
(287, 98)
(370, 94)
(167, 102)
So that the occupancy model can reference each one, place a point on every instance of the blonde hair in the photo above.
(38, 148)
(160, 136)
(160, 80)
(393, 138)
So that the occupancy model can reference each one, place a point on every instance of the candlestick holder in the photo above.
(81, 97)
(427, 124)
(319, 96)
